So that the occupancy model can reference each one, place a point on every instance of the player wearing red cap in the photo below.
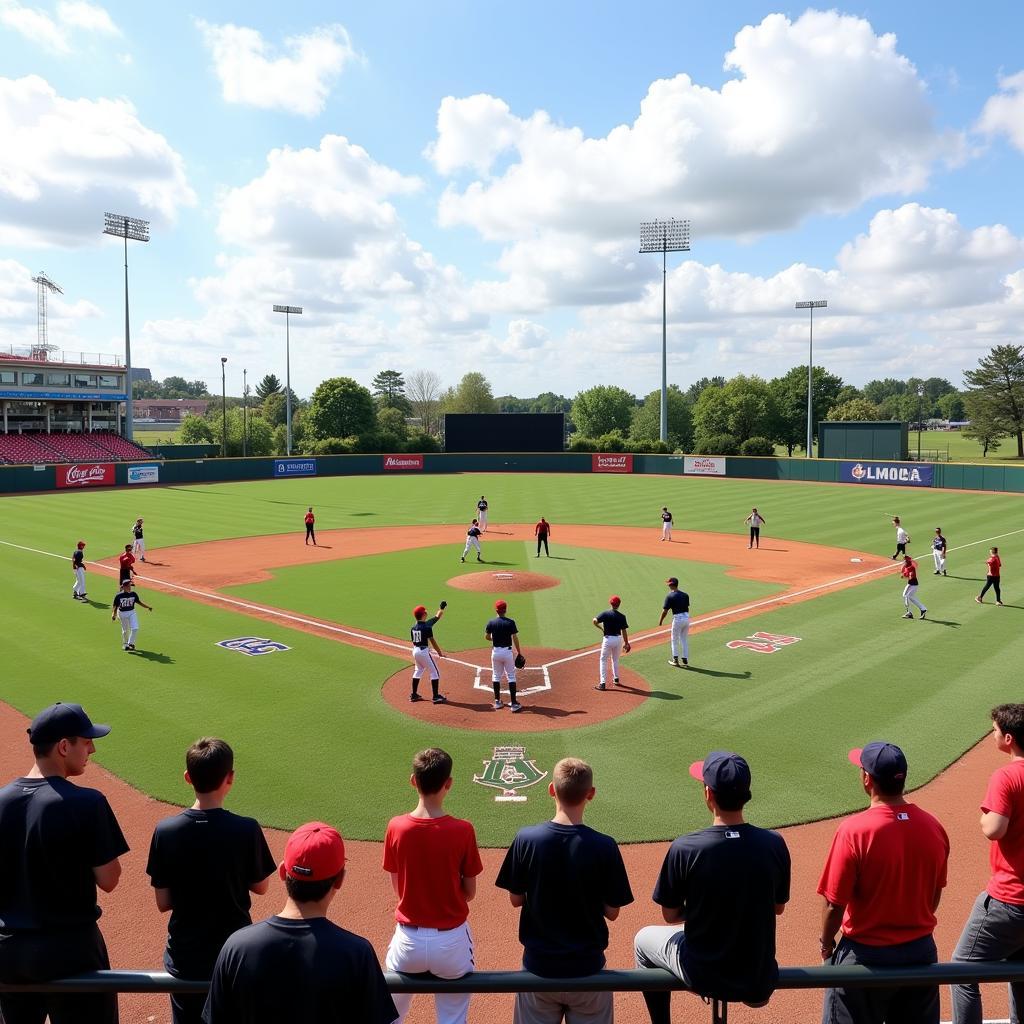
(422, 636)
(616, 639)
(908, 570)
(503, 634)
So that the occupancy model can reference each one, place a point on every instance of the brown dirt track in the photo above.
(503, 582)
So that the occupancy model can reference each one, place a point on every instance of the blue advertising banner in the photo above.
(294, 467)
(900, 473)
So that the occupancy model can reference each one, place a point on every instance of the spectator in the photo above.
(203, 864)
(885, 872)
(297, 965)
(727, 882)
(58, 842)
(434, 863)
(568, 879)
(995, 929)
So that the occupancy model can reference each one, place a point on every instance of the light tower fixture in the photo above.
(224, 407)
(812, 305)
(288, 311)
(664, 236)
(121, 226)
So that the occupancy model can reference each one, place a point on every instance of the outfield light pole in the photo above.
(812, 306)
(664, 236)
(288, 311)
(245, 412)
(224, 407)
(120, 226)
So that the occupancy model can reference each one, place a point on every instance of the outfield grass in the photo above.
(314, 738)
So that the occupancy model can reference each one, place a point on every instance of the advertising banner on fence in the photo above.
(143, 474)
(611, 463)
(294, 467)
(704, 465)
(90, 475)
(899, 473)
(394, 462)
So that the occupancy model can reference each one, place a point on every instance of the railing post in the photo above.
(719, 1011)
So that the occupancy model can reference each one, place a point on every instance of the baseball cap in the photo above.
(880, 760)
(61, 722)
(723, 772)
(615, 599)
(500, 606)
(419, 610)
(81, 543)
(672, 580)
(315, 852)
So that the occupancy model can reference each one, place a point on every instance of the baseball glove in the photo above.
(520, 661)
(443, 605)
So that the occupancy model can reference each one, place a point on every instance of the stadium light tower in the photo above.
(288, 311)
(45, 284)
(120, 226)
(664, 236)
(812, 306)
(224, 407)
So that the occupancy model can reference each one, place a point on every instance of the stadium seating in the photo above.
(102, 446)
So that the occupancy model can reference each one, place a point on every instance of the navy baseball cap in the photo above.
(723, 772)
(61, 722)
(880, 760)
(672, 580)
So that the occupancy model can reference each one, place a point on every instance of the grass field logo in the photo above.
(762, 643)
(252, 645)
(509, 770)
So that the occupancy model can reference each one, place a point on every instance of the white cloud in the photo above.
(65, 161)
(1004, 113)
(299, 81)
(86, 16)
(57, 33)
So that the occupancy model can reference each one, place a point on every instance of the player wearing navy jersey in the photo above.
(481, 513)
(666, 524)
(503, 634)
(613, 624)
(678, 603)
(124, 608)
(78, 567)
(139, 547)
(472, 541)
(939, 551)
(422, 636)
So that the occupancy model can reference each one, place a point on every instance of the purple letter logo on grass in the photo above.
(252, 645)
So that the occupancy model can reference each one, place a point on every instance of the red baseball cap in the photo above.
(315, 852)
(500, 606)
(419, 610)
(615, 599)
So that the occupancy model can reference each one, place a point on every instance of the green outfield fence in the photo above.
(954, 476)
(637, 980)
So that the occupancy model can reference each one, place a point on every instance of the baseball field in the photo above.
(321, 722)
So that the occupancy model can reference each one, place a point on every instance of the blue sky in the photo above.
(458, 187)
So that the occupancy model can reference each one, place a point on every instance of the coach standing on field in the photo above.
(58, 842)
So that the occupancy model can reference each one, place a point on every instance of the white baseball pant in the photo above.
(503, 660)
(139, 548)
(939, 559)
(666, 531)
(445, 954)
(424, 662)
(611, 648)
(681, 635)
(471, 542)
(910, 598)
(79, 587)
(481, 519)
(129, 626)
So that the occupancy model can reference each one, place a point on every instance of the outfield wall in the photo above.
(955, 476)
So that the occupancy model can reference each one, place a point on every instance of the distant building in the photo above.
(141, 373)
(167, 410)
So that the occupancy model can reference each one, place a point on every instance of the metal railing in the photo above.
(636, 980)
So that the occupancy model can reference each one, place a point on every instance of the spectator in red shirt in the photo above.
(543, 531)
(882, 880)
(127, 561)
(995, 929)
(994, 564)
(434, 863)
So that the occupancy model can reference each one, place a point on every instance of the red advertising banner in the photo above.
(88, 475)
(611, 463)
(397, 462)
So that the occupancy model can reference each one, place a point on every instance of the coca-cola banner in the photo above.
(611, 463)
(86, 475)
(399, 462)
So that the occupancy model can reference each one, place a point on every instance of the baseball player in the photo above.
(78, 567)
(310, 532)
(126, 563)
(939, 551)
(909, 572)
(666, 524)
(503, 635)
(422, 635)
(481, 513)
(902, 538)
(139, 548)
(755, 521)
(472, 541)
(616, 640)
(542, 531)
(124, 607)
(678, 603)
(993, 571)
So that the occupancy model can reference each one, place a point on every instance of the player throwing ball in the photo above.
(139, 545)
(909, 572)
(422, 635)
(472, 541)
(124, 608)
(503, 634)
(616, 640)
(678, 603)
(902, 538)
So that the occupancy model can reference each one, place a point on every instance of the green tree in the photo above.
(693, 392)
(473, 394)
(790, 395)
(195, 430)
(509, 403)
(999, 379)
(260, 439)
(176, 387)
(270, 385)
(602, 409)
(743, 408)
(988, 426)
(273, 408)
(847, 393)
(856, 409)
(951, 406)
(878, 391)
(388, 388)
(646, 421)
(548, 401)
(340, 408)
(391, 426)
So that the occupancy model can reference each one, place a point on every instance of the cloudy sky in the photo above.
(459, 186)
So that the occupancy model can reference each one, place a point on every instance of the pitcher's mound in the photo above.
(497, 581)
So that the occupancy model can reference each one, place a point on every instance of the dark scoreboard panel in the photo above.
(504, 432)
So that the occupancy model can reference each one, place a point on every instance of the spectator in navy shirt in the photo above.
(203, 864)
(569, 880)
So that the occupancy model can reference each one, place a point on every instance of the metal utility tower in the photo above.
(45, 285)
